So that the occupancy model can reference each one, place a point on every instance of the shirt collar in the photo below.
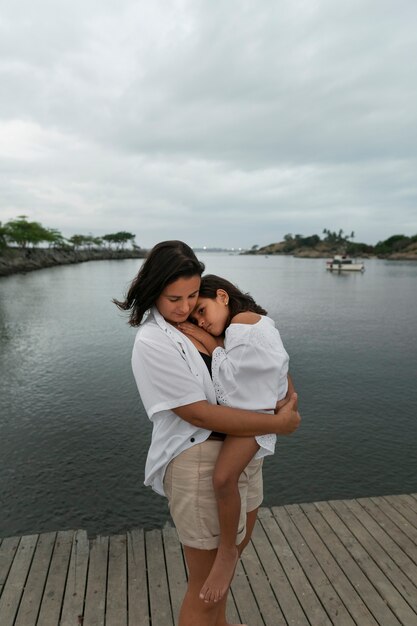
(168, 328)
(188, 350)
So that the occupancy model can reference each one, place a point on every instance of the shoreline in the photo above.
(18, 260)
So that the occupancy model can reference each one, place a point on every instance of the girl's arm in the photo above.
(240, 422)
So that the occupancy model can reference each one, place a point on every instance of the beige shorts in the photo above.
(192, 503)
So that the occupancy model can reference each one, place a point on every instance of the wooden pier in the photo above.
(341, 563)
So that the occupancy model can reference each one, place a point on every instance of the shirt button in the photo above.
(192, 439)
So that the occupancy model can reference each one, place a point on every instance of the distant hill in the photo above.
(397, 247)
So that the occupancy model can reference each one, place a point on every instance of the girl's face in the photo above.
(212, 314)
(178, 299)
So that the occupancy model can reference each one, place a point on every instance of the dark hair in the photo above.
(239, 302)
(165, 263)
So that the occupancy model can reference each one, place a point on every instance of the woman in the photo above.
(178, 395)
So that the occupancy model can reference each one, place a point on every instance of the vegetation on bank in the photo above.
(24, 234)
(338, 243)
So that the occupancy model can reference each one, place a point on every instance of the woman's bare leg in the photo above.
(234, 456)
(250, 523)
(194, 610)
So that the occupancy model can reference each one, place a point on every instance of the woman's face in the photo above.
(212, 314)
(178, 299)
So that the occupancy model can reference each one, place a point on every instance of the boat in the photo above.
(343, 263)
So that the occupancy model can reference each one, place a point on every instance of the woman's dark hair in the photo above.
(165, 263)
(239, 302)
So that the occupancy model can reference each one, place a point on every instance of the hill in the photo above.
(396, 247)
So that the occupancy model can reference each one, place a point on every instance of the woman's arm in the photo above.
(239, 422)
(195, 333)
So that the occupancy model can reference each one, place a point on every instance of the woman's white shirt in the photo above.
(169, 373)
(251, 371)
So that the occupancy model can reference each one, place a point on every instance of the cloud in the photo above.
(227, 123)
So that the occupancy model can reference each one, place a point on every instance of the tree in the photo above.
(3, 240)
(55, 238)
(334, 237)
(395, 243)
(119, 239)
(77, 241)
(25, 233)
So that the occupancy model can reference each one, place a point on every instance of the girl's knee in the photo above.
(225, 483)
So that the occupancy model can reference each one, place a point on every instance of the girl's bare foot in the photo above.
(221, 574)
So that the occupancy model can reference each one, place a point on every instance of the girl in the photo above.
(250, 372)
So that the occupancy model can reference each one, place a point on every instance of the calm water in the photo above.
(73, 433)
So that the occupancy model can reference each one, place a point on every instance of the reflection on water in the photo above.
(73, 432)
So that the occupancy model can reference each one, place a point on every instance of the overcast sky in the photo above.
(220, 123)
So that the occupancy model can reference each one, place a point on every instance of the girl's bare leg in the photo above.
(234, 456)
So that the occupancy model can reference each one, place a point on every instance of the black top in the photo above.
(207, 360)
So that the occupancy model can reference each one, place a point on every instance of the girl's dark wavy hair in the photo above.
(165, 263)
(239, 302)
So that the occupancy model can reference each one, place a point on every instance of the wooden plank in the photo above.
(381, 557)
(402, 507)
(287, 600)
(397, 518)
(336, 575)
(15, 583)
(137, 589)
(53, 594)
(231, 609)
(269, 608)
(396, 544)
(244, 598)
(8, 549)
(73, 604)
(34, 587)
(298, 580)
(326, 522)
(315, 574)
(116, 606)
(359, 552)
(176, 572)
(412, 502)
(95, 597)
(158, 585)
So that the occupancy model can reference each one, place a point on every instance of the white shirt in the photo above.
(251, 371)
(169, 373)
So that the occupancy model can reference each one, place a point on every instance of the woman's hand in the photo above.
(208, 341)
(286, 411)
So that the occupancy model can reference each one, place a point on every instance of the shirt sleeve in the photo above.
(246, 372)
(162, 375)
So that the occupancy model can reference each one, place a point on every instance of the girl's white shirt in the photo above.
(169, 373)
(251, 371)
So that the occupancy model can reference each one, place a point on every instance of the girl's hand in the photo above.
(191, 330)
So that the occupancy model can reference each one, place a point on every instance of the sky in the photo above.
(223, 124)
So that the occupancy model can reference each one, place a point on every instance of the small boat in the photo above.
(342, 263)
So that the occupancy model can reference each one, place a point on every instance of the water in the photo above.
(73, 433)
